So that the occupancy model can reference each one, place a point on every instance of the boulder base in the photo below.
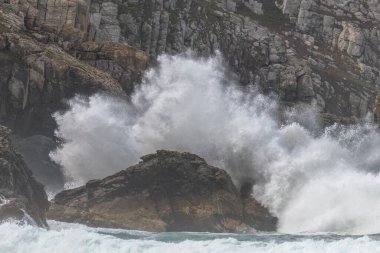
(166, 191)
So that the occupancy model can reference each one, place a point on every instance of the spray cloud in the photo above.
(328, 182)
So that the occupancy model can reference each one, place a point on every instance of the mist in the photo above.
(313, 180)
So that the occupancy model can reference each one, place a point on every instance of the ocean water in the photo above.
(74, 238)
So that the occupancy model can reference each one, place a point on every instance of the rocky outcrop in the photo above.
(123, 62)
(21, 196)
(45, 61)
(166, 191)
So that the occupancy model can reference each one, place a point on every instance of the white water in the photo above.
(64, 238)
(313, 182)
(3, 200)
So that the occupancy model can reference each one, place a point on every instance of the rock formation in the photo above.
(37, 73)
(319, 52)
(322, 53)
(21, 196)
(42, 64)
(166, 191)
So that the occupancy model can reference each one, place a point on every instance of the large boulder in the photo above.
(166, 191)
(21, 196)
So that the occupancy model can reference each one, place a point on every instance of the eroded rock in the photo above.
(332, 39)
(21, 196)
(166, 191)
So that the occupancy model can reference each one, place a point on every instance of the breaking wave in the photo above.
(313, 181)
(70, 238)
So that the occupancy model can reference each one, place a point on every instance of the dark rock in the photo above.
(166, 191)
(38, 70)
(35, 150)
(21, 196)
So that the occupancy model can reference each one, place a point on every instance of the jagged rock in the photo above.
(351, 26)
(35, 150)
(166, 191)
(37, 72)
(290, 7)
(37, 77)
(351, 40)
(125, 63)
(332, 39)
(254, 6)
(44, 60)
(21, 196)
(254, 45)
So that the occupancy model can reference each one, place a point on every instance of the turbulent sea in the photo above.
(313, 179)
(67, 238)
(322, 184)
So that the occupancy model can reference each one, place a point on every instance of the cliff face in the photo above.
(349, 27)
(21, 196)
(349, 32)
(167, 191)
(319, 52)
(43, 63)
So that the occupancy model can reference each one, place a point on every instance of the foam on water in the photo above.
(3, 200)
(79, 239)
(313, 181)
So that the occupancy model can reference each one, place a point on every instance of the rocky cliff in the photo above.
(348, 32)
(43, 63)
(166, 191)
(319, 52)
(21, 196)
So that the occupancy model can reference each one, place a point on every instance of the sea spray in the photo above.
(326, 182)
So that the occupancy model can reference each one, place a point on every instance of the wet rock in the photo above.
(166, 191)
(21, 196)
(333, 39)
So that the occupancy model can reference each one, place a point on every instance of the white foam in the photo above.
(19, 239)
(27, 219)
(3, 200)
(313, 182)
